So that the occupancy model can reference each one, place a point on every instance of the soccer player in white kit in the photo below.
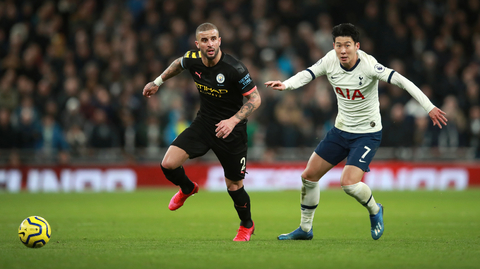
(354, 76)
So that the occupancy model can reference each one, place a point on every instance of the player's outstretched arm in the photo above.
(436, 114)
(276, 85)
(225, 127)
(438, 117)
(174, 69)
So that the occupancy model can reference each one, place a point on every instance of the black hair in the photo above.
(346, 29)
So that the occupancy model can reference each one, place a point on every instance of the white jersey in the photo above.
(356, 90)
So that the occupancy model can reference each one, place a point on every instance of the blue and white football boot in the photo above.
(376, 222)
(298, 234)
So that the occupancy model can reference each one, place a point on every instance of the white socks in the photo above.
(309, 202)
(363, 194)
(311, 196)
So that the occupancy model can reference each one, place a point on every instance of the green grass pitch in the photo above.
(136, 230)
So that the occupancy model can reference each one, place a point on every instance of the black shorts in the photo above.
(200, 137)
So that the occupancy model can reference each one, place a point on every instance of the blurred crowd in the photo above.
(72, 71)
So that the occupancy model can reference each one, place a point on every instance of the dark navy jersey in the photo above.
(221, 87)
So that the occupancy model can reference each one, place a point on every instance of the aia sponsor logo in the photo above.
(349, 94)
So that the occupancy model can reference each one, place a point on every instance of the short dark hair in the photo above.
(346, 29)
(205, 27)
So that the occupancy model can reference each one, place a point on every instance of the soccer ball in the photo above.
(34, 232)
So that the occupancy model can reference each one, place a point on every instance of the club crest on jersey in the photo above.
(379, 68)
(220, 78)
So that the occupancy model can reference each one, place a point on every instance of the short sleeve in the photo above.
(188, 57)
(245, 81)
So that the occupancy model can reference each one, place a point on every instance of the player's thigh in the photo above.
(316, 168)
(193, 141)
(232, 154)
(363, 149)
(333, 148)
(234, 165)
(174, 157)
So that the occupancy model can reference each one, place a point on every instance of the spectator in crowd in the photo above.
(29, 129)
(102, 134)
(455, 133)
(8, 133)
(177, 121)
(290, 118)
(397, 130)
(72, 114)
(475, 129)
(128, 132)
(8, 95)
(149, 136)
(76, 139)
(52, 138)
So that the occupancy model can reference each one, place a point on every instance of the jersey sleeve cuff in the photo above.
(250, 91)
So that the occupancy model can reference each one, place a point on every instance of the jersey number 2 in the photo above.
(243, 161)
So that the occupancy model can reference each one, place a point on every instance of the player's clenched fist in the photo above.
(150, 89)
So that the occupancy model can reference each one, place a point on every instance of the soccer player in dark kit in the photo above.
(220, 124)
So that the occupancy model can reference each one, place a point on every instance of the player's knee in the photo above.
(305, 176)
(168, 165)
(233, 185)
(176, 176)
(346, 181)
(310, 176)
(168, 169)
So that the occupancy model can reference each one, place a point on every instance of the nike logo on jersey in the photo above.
(199, 74)
(332, 77)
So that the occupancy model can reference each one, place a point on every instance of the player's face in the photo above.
(346, 50)
(208, 42)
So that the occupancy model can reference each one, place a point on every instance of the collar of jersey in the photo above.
(221, 58)
(351, 69)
